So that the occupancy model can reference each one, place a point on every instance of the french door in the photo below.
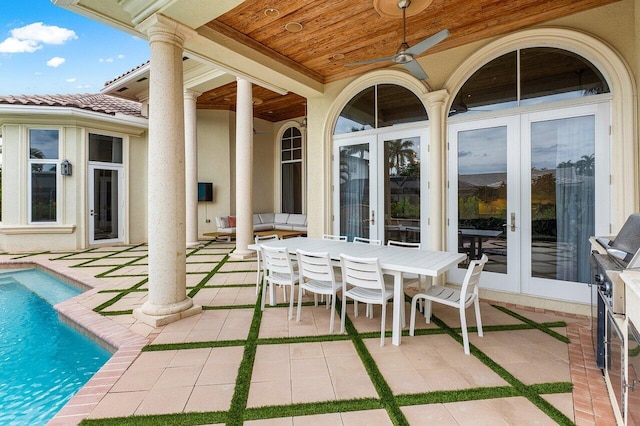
(523, 190)
(106, 223)
(380, 183)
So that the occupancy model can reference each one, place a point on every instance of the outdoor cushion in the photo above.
(281, 217)
(222, 222)
(256, 219)
(267, 217)
(263, 226)
(232, 221)
(297, 219)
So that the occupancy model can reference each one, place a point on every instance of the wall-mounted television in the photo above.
(205, 191)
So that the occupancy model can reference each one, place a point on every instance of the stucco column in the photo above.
(167, 300)
(437, 170)
(244, 169)
(191, 165)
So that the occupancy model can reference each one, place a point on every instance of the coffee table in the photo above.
(281, 233)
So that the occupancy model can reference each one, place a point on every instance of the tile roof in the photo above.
(126, 73)
(92, 102)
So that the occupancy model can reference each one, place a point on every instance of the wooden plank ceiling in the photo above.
(336, 32)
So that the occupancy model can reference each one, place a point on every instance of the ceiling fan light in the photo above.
(390, 8)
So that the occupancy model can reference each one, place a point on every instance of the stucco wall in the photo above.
(137, 196)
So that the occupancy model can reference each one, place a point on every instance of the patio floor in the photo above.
(234, 364)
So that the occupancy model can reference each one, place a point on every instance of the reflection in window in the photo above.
(546, 75)
(354, 191)
(402, 189)
(43, 166)
(380, 106)
(105, 149)
(562, 198)
(291, 170)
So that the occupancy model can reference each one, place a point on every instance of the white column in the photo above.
(167, 299)
(437, 158)
(191, 165)
(244, 169)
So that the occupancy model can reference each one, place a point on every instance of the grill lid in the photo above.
(627, 242)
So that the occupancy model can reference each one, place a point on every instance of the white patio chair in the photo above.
(460, 299)
(367, 285)
(278, 271)
(334, 237)
(362, 240)
(317, 276)
(410, 280)
(260, 277)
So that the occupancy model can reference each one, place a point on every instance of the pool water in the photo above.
(43, 362)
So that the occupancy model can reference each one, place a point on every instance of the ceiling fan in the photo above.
(405, 54)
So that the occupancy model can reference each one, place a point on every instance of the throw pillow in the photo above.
(221, 222)
(232, 221)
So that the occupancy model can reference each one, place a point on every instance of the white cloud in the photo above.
(71, 80)
(13, 45)
(83, 86)
(47, 34)
(55, 62)
(121, 56)
(31, 37)
(109, 60)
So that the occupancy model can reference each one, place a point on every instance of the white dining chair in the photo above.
(278, 271)
(317, 276)
(362, 240)
(260, 278)
(366, 284)
(460, 299)
(334, 237)
(404, 244)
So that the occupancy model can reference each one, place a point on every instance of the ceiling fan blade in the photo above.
(428, 43)
(369, 61)
(415, 69)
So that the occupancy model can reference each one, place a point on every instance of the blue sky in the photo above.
(45, 49)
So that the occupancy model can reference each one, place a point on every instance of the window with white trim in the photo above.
(44, 159)
(291, 170)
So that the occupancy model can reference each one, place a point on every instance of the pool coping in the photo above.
(125, 344)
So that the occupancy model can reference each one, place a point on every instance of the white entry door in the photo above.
(106, 223)
(524, 190)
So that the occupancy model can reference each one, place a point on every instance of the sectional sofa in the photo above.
(266, 221)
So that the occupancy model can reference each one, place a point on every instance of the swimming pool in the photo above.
(43, 361)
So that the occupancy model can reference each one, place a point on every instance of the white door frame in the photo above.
(91, 201)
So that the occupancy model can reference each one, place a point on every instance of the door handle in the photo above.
(373, 217)
(512, 223)
(91, 213)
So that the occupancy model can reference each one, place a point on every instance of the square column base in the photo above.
(160, 320)
(241, 255)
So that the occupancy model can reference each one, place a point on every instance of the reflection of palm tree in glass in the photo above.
(36, 153)
(585, 166)
(400, 153)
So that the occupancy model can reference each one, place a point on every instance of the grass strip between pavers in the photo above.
(310, 408)
(520, 387)
(178, 419)
(540, 327)
(207, 277)
(115, 299)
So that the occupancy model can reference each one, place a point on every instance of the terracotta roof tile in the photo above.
(126, 73)
(92, 102)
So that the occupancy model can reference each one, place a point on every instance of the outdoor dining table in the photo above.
(393, 260)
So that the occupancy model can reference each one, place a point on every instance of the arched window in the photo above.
(291, 170)
(526, 77)
(382, 105)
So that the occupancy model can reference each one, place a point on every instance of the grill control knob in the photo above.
(599, 279)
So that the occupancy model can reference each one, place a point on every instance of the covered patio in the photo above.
(233, 363)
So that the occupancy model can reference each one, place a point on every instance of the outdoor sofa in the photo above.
(266, 222)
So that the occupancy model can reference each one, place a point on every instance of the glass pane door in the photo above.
(104, 209)
(566, 165)
(356, 192)
(401, 186)
(483, 199)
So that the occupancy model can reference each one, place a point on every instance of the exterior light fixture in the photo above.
(65, 168)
